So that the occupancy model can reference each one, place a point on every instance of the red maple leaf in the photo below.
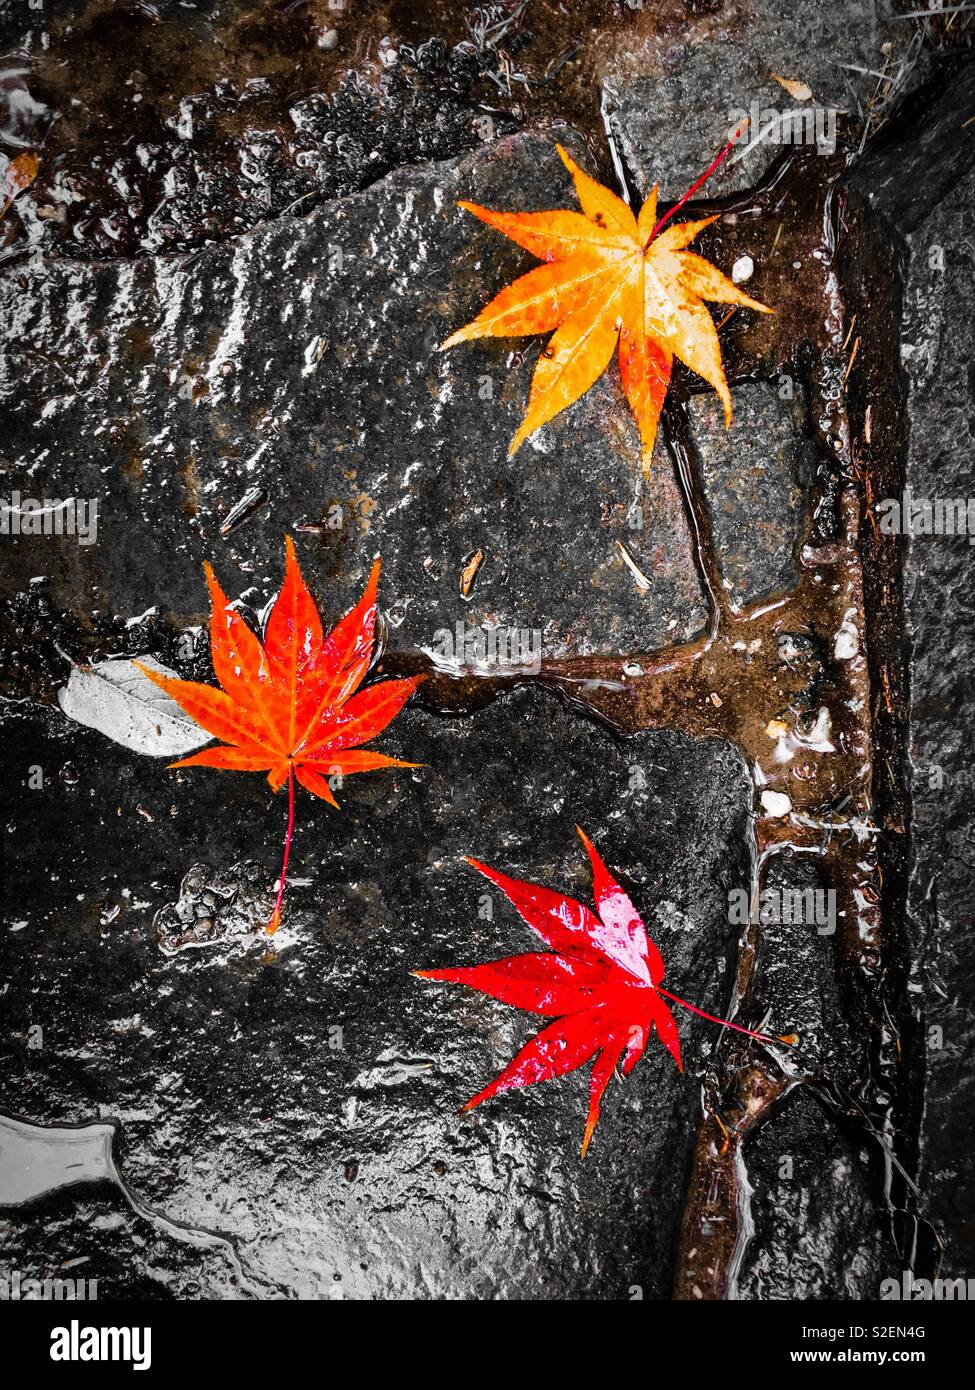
(601, 982)
(288, 705)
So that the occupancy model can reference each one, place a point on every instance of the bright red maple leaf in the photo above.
(601, 982)
(288, 705)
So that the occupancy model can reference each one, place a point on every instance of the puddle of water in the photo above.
(42, 1160)
(36, 1160)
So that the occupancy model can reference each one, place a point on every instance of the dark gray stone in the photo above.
(300, 360)
(802, 980)
(911, 171)
(920, 185)
(302, 1101)
(938, 347)
(755, 475)
(816, 1231)
(673, 105)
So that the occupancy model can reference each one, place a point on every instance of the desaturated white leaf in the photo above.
(120, 702)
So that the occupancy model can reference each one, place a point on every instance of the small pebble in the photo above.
(846, 643)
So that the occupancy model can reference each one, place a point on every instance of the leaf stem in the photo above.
(275, 921)
(721, 1022)
(743, 126)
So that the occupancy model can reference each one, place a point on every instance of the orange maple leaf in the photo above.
(288, 705)
(609, 278)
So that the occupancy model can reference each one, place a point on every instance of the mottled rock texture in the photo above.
(674, 102)
(304, 1102)
(301, 360)
(756, 478)
(924, 190)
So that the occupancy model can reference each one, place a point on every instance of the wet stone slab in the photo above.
(755, 477)
(937, 350)
(817, 1235)
(168, 128)
(814, 1181)
(295, 370)
(671, 106)
(302, 1100)
(802, 978)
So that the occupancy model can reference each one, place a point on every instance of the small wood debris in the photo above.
(853, 358)
(798, 90)
(469, 573)
(642, 582)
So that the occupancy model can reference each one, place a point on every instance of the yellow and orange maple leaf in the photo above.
(609, 278)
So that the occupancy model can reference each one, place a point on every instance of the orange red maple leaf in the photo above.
(609, 281)
(290, 705)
